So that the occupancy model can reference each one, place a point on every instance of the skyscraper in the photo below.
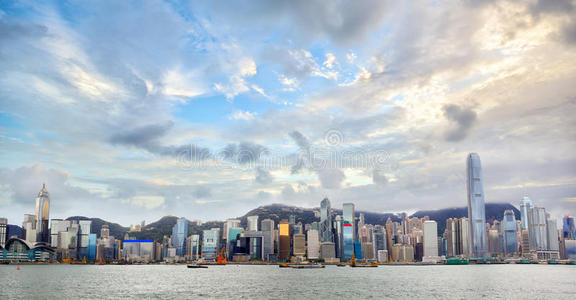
(537, 229)
(313, 246)
(252, 223)
(210, 243)
(285, 233)
(510, 234)
(326, 221)
(525, 206)
(476, 207)
(267, 227)
(42, 215)
(179, 235)
(348, 229)
(430, 240)
(568, 227)
(3, 231)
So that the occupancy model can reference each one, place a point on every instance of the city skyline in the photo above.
(215, 109)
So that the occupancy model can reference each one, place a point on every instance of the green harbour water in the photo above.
(271, 282)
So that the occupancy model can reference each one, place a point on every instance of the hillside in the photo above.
(277, 212)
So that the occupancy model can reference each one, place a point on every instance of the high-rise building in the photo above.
(299, 244)
(326, 221)
(42, 215)
(476, 207)
(493, 240)
(348, 230)
(568, 227)
(230, 223)
(510, 237)
(450, 237)
(525, 206)
(252, 223)
(3, 231)
(29, 228)
(537, 229)
(327, 250)
(267, 227)
(210, 243)
(193, 246)
(430, 241)
(179, 235)
(338, 235)
(313, 244)
(284, 248)
(552, 236)
(379, 238)
(57, 226)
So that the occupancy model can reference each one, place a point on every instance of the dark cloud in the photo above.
(378, 177)
(263, 176)
(142, 136)
(462, 120)
(243, 153)
(300, 140)
(342, 22)
(331, 178)
(147, 137)
(202, 192)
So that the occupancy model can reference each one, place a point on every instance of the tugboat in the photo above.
(196, 266)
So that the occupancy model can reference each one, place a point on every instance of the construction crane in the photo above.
(221, 259)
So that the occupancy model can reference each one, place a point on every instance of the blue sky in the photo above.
(131, 110)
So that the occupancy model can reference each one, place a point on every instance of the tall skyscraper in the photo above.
(510, 238)
(267, 227)
(525, 206)
(285, 232)
(252, 223)
(338, 235)
(430, 240)
(29, 228)
(552, 236)
(476, 207)
(537, 229)
(568, 227)
(326, 221)
(348, 230)
(179, 235)
(42, 215)
(230, 223)
(313, 246)
(3, 231)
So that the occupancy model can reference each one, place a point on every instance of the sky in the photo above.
(133, 110)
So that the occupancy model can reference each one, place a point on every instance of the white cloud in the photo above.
(330, 60)
(242, 115)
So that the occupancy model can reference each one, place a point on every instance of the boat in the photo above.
(457, 261)
(307, 266)
(284, 265)
(552, 262)
(353, 263)
(197, 266)
(340, 265)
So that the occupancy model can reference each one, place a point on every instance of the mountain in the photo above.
(277, 212)
(494, 211)
(116, 230)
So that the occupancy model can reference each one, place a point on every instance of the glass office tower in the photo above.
(326, 221)
(179, 235)
(42, 215)
(510, 233)
(210, 242)
(525, 206)
(348, 230)
(476, 207)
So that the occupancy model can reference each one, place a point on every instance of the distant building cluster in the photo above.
(333, 238)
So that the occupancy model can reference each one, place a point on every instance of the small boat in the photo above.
(310, 266)
(197, 266)
(340, 265)
(284, 265)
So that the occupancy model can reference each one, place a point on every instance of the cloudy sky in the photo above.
(131, 110)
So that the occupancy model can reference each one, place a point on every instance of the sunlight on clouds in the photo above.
(176, 83)
(147, 202)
